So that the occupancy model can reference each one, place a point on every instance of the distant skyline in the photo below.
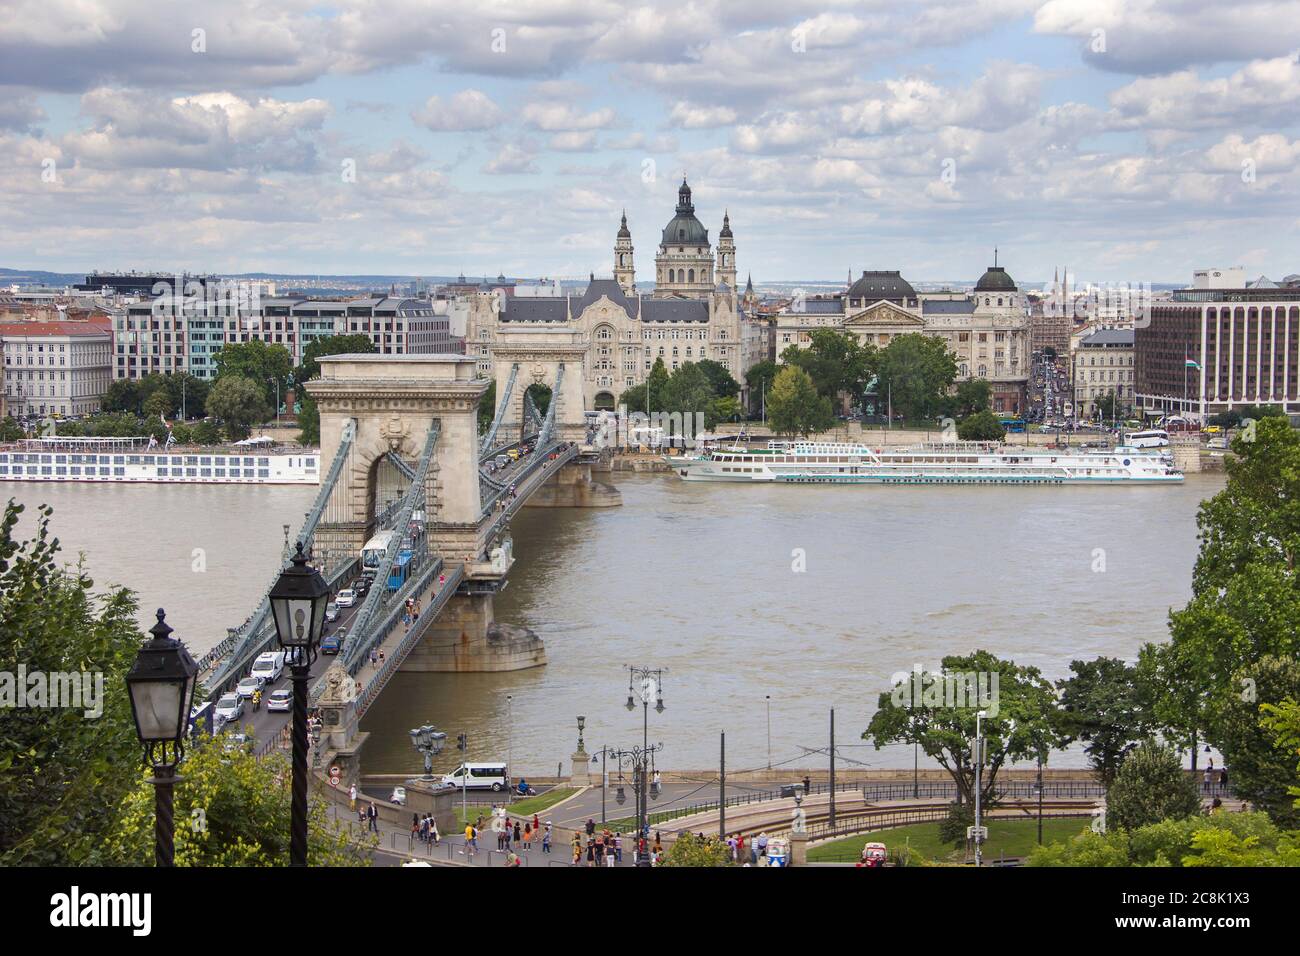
(1130, 141)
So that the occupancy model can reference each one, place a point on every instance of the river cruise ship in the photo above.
(133, 460)
(952, 463)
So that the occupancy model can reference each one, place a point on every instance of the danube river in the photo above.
(809, 595)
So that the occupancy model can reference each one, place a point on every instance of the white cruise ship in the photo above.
(955, 463)
(132, 460)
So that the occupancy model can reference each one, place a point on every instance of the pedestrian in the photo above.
(591, 851)
(1223, 779)
(434, 836)
(415, 826)
(374, 658)
(591, 827)
(381, 657)
(762, 843)
(471, 839)
(577, 849)
(1209, 777)
(537, 824)
(352, 796)
(518, 835)
(546, 838)
(618, 847)
(372, 814)
(528, 836)
(807, 785)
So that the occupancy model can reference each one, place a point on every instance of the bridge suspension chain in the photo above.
(548, 426)
(229, 657)
(359, 640)
(491, 435)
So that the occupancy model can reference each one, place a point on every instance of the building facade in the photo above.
(1212, 349)
(55, 368)
(987, 330)
(1102, 362)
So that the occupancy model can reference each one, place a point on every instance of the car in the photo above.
(331, 612)
(332, 643)
(280, 700)
(363, 587)
(513, 454)
(501, 461)
(269, 666)
(248, 685)
(229, 707)
(346, 598)
(1212, 429)
(398, 797)
(233, 742)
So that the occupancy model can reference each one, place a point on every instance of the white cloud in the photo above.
(467, 110)
(688, 116)
(511, 160)
(556, 117)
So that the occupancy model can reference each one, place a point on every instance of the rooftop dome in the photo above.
(995, 280)
(623, 232)
(684, 228)
(874, 286)
(726, 226)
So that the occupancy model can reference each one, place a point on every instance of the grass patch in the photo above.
(1006, 837)
(518, 808)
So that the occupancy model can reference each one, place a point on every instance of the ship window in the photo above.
(104, 471)
(191, 472)
(162, 472)
(205, 472)
(264, 473)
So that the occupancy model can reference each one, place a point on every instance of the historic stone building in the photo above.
(986, 329)
(694, 312)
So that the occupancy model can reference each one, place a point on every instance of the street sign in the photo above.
(335, 775)
(980, 833)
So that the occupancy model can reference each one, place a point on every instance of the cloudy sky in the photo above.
(1131, 140)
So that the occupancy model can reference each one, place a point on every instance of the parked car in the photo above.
(280, 700)
(229, 707)
(248, 685)
(332, 643)
(331, 612)
(398, 797)
(346, 598)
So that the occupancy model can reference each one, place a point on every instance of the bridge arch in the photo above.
(539, 354)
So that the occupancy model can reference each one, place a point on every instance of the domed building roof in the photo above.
(874, 286)
(684, 228)
(623, 231)
(995, 279)
(726, 226)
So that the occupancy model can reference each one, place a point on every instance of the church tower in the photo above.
(624, 272)
(727, 254)
(684, 262)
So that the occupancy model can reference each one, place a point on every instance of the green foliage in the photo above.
(1103, 705)
(794, 406)
(10, 430)
(837, 363)
(1219, 839)
(1020, 727)
(982, 426)
(245, 809)
(720, 380)
(238, 403)
(1086, 849)
(541, 397)
(205, 433)
(1283, 722)
(1110, 407)
(635, 398)
(309, 413)
(952, 828)
(487, 410)
(759, 381)
(59, 769)
(691, 850)
(1149, 787)
(915, 371)
(157, 393)
(263, 364)
(972, 396)
(722, 410)
(1263, 769)
(689, 392)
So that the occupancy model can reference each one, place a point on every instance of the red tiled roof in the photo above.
(37, 329)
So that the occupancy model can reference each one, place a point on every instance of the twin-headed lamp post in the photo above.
(161, 684)
(298, 602)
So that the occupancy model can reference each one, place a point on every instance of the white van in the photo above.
(269, 666)
(482, 776)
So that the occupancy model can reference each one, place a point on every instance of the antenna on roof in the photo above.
(995, 256)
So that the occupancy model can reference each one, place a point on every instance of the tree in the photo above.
(1263, 769)
(158, 405)
(720, 380)
(1109, 406)
(794, 407)
(973, 395)
(487, 410)
(1219, 839)
(938, 712)
(1149, 787)
(245, 811)
(916, 370)
(1103, 706)
(10, 430)
(839, 365)
(722, 410)
(122, 395)
(688, 392)
(58, 769)
(635, 398)
(982, 426)
(309, 414)
(205, 433)
(269, 367)
(541, 397)
(759, 382)
(1283, 722)
(1085, 849)
(691, 850)
(238, 403)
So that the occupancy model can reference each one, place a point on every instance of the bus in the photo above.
(1151, 438)
(1012, 424)
(400, 569)
(375, 550)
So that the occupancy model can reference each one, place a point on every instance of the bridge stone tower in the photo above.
(393, 400)
(539, 353)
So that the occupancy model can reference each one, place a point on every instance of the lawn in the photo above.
(518, 808)
(1006, 837)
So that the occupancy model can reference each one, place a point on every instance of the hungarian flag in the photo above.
(1190, 363)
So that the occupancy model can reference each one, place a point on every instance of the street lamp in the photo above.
(298, 602)
(979, 764)
(650, 682)
(161, 684)
(430, 743)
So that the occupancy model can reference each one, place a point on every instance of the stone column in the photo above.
(581, 776)
(798, 849)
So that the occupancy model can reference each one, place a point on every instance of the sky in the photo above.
(1128, 140)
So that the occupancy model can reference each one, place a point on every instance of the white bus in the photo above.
(1152, 438)
(375, 549)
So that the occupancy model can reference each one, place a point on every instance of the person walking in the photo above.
(577, 849)
(528, 836)
(434, 837)
(537, 823)
(1209, 777)
(1223, 780)
(546, 839)
(352, 797)
(591, 827)
(372, 814)
(471, 840)
(518, 835)
(618, 847)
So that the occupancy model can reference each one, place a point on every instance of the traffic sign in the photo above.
(980, 833)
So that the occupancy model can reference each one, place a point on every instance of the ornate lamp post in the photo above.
(430, 743)
(161, 685)
(298, 603)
